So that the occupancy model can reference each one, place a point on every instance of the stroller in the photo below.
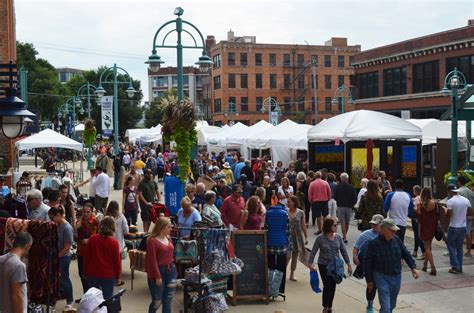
(93, 302)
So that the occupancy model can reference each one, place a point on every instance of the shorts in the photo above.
(101, 203)
(469, 225)
(145, 212)
(319, 208)
(344, 214)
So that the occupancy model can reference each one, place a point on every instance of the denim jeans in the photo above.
(455, 246)
(131, 217)
(388, 287)
(116, 180)
(105, 284)
(65, 285)
(163, 295)
(401, 232)
(418, 242)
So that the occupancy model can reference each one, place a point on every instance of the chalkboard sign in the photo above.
(251, 247)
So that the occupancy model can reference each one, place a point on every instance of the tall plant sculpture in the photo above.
(179, 122)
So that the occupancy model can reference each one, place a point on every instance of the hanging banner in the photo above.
(274, 118)
(107, 116)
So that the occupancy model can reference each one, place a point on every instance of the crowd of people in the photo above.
(226, 190)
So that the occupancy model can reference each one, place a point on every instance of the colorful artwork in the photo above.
(409, 162)
(359, 164)
(329, 154)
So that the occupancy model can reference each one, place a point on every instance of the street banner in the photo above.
(69, 124)
(174, 190)
(107, 116)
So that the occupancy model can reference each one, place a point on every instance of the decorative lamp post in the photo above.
(453, 82)
(154, 61)
(13, 112)
(86, 91)
(231, 111)
(110, 76)
(70, 104)
(272, 105)
(340, 92)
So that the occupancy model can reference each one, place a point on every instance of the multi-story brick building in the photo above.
(408, 75)
(245, 73)
(167, 78)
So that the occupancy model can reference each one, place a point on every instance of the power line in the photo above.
(65, 96)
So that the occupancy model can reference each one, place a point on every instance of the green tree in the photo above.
(154, 113)
(46, 93)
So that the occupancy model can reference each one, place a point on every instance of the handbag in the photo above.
(439, 234)
(274, 281)
(186, 251)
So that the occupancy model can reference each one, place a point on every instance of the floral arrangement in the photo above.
(90, 132)
(179, 122)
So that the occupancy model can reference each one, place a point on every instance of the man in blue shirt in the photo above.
(238, 168)
(382, 265)
(358, 252)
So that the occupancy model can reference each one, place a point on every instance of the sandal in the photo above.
(433, 272)
(120, 283)
(425, 267)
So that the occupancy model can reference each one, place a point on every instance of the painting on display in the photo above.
(329, 154)
(409, 162)
(359, 164)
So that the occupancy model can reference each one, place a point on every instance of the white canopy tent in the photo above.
(204, 132)
(151, 135)
(282, 139)
(433, 129)
(79, 127)
(133, 134)
(240, 139)
(362, 125)
(218, 141)
(48, 138)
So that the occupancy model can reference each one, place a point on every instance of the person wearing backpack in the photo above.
(152, 165)
(358, 251)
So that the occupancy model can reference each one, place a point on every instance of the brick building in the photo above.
(167, 78)
(245, 73)
(7, 53)
(408, 75)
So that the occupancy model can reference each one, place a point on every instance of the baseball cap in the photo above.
(452, 187)
(377, 219)
(389, 223)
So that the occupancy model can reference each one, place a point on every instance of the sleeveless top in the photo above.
(130, 199)
(254, 222)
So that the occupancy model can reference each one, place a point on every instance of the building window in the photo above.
(340, 61)
(426, 77)
(301, 60)
(232, 106)
(314, 57)
(259, 102)
(186, 80)
(231, 59)
(464, 64)
(351, 60)
(340, 80)
(313, 105)
(286, 81)
(273, 59)
(395, 81)
(301, 81)
(327, 81)
(244, 104)
(243, 59)
(286, 59)
(199, 81)
(368, 85)
(273, 81)
(217, 82)
(287, 104)
(217, 61)
(327, 104)
(258, 81)
(327, 61)
(244, 81)
(160, 81)
(301, 104)
(231, 80)
(158, 94)
(314, 82)
(258, 59)
(217, 106)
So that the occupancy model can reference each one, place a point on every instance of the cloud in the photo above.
(86, 34)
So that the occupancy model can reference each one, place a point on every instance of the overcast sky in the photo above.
(85, 34)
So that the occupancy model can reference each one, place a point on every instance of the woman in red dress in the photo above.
(428, 220)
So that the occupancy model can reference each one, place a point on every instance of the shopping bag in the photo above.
(314, 281)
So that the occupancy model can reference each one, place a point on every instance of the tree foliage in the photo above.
(43, 82)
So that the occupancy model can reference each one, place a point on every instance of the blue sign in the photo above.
(174, 192)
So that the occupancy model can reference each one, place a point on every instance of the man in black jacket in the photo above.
(346, 198)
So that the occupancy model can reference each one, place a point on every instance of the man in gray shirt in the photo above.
(13, 279)
(37, 209)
